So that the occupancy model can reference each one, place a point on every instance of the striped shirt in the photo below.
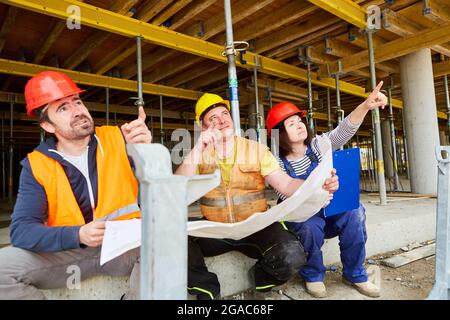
(338, 136)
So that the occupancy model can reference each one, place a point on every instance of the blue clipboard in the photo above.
(347, 164)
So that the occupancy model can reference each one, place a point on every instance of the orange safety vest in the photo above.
(243, 195)
(117, 185)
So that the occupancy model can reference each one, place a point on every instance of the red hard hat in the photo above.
(280, 112)
(46, 87)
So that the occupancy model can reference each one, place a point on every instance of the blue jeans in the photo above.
(350, 226)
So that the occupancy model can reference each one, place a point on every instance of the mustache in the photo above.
(80, 118)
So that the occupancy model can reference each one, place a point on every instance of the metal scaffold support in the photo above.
(11, 152)
(339, 111)
(274, 136)
(376, 123)
(230, 53)
(140, 98)
(161, 124)
(164, 201)
(441, 288)
(393, 144)
(329, 123)
(303, 57)
(310, 102)
(3, 158)
(107, 105)
(258, 117)
(269, 96)
(447, 104)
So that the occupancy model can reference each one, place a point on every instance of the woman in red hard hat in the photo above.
(69, 186)
(299, 155)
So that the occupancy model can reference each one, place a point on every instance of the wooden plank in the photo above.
(410, 256)
(401, 25)
(346, 10)
(212, 26)
(168, 12)
(441, 68)
(190, 12)
(7, 25)
(394, 49)
(96, 38)
(150, 9)
(400, 200)
(285, 15)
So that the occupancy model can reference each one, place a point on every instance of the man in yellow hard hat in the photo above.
(245, 166)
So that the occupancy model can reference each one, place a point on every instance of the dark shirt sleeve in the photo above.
(28, 229)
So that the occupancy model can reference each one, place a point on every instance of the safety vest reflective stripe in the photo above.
(237, 200)
(121, 212)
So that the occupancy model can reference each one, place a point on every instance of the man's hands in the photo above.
(137, 131)
(208, 137)
(331, 185)
(376, 98)
(91, 234)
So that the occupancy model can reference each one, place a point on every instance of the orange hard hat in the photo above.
(280, 112)
(46, 87)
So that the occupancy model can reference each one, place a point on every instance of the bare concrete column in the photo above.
(420, 113)
(387, 150)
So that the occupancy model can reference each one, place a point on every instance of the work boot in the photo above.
(366, 288)
(316, 289)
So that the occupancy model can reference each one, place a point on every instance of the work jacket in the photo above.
(243, 195)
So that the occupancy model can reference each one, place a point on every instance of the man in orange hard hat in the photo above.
(70, 185)
(245, 167)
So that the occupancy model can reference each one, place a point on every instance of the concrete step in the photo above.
(388, 227)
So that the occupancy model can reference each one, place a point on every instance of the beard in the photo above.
(80, 128)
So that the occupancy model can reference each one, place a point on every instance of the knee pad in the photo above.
(284, 259)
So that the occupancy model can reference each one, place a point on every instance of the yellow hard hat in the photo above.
(207, 100)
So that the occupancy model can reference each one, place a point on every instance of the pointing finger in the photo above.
(377, 89)
(142, 114)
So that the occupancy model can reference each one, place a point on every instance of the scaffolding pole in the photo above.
(164, 209)
(310, 102)
(376, 123)
(140, 98)
(257, 113)
(269, 93)
(11, 152)
(3, 158)
(161, 124)
(230, 52)
(441, 288)
(405, 147)
(330, 124)
(393, 144)
(447, 104)
(339, 111)
(107, 105)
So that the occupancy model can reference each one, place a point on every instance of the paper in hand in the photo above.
(120, 236)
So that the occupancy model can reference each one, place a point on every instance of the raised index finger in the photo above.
(377, 89)
(142, 114)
